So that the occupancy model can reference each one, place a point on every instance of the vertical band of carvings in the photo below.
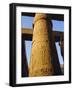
(40, 62)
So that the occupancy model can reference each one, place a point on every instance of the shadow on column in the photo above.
(54, 56)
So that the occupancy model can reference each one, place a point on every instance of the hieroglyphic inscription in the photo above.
(40, 62)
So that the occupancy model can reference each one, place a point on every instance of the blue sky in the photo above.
(26, 22)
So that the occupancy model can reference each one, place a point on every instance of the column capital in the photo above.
(39, 16)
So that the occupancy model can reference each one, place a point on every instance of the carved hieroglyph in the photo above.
(40, 62)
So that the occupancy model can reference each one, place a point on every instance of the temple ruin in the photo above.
(44, 59)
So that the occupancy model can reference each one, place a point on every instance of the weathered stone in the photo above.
(40, 63)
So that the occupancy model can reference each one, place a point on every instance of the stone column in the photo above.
(24, 60)
(40, 62)
(62, 47)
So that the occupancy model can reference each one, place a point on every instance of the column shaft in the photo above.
(40, 62)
